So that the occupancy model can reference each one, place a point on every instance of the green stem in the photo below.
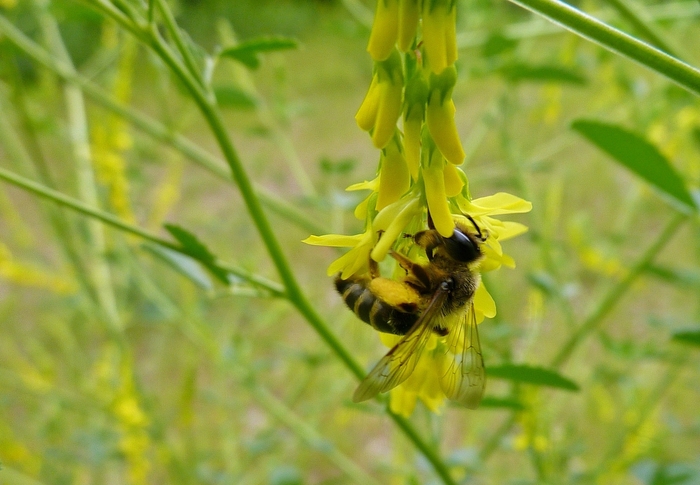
(294, 292)
(423, 447)
(309, 435)
(11, 142)
(536, 28)
(274, 288)
(595, 319)
(152, 127)
(644, 411)
(182, 48)
(615, 40)
(99, 269)
(636, 18)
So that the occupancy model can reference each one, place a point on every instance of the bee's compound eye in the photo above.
(461, 248)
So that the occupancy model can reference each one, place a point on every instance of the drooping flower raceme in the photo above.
(413, 45)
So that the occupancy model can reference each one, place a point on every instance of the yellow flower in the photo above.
(415, 100)
(354, 261)
(435, 192)
(381, 107)
(409, 15)
(394, 177)
(441, 116)
(385, 29)
(439, 33)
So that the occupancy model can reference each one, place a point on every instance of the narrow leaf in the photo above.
(638, 155)
(544, 73)
(247, 52)
(537, 376)
(194, 248)
(690, 337)
(232, 97)
(184, 265)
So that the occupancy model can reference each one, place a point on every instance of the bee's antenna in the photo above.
(476, 226)
(430, 221)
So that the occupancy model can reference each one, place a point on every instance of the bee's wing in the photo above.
(462, 375)
(401, 360)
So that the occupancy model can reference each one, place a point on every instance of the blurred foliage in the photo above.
(121, 364)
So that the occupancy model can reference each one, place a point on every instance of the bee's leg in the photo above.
(428, 240)
(373, 268)
(373, 265)
(411, 268)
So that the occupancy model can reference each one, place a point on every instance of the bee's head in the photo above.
(463, 246)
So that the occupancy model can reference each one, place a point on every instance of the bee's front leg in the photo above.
(428, 240)
(412, 269)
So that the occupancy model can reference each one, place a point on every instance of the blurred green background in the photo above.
(118, 365)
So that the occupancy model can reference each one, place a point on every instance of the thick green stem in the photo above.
(613, 39)
(632, 14)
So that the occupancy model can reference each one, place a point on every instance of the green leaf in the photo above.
(527, 73)
(184, 265)
(497, 44)
(194, 248)
(537, 376)
(682, 277)
(232, 97)
(638, 155)
(690, 337)
(247, 52)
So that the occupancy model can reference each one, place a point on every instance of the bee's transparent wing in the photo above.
(401, 360)
(462, 375)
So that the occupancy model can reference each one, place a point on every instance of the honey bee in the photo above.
(436, 297)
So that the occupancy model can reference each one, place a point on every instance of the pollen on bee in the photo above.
(394, 293)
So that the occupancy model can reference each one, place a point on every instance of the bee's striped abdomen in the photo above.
(373, 310)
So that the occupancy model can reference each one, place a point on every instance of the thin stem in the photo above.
(596, 318)
(294, 292)
(645, 409)
(615, 40)
(10, 141)
(177, 37)
(99, 270)
(309, 435)
(424, 448)
(274, 288)
(606, 305)
(148, 125)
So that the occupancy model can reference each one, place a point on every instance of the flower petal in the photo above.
(334, 240)
(500, 203)
(484, 306)
(384, 29)
(434, 181)
(394, 229)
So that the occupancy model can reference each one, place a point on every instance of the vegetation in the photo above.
(162, 322)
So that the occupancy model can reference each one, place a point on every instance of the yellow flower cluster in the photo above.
(413, 45)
